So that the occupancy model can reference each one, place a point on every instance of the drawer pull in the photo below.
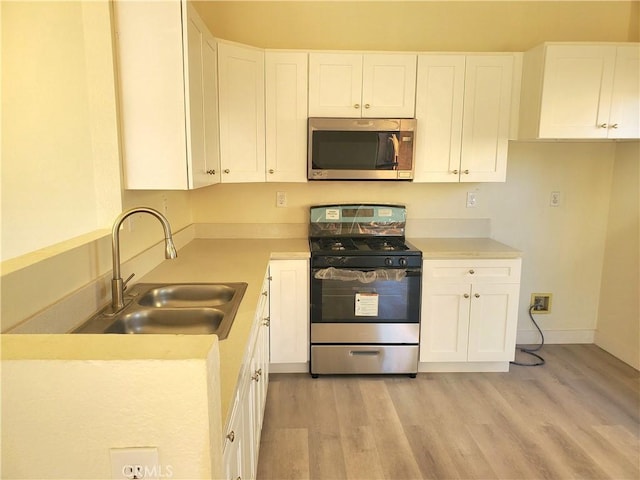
(472, 271)
(231, 436)
(364, 352)
(466, 295)
(477, 295)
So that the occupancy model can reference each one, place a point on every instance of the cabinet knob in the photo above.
(466, 295)
(266, 321)
(466, 172)
(256, 375)
(226, 170)
(615, 125)
(455, 172)
(231, 436)
(603, 125)
(272, 171)
(477, 295)
(265, 293)
(366, 105)
(356, 106)
(211, 172)
(472, 271)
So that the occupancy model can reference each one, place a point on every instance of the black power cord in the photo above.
(531, 351)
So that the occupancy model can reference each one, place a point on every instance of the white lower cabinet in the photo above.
(242, 435)
(469, 313)
(289, 315)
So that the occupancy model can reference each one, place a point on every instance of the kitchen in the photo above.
(582, 232)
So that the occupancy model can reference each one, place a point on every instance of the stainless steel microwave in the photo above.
(361, 149)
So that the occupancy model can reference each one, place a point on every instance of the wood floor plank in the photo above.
(393, 447)
(284, 454)
(578, 416)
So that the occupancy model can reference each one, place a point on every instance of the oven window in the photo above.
(386, 301)
(345, 150)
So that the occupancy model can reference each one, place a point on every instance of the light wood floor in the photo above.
(576, 417)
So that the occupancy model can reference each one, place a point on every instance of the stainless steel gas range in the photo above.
(365, 291)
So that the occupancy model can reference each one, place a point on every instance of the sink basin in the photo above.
(188, 295)
(164, 320)
(172, 308)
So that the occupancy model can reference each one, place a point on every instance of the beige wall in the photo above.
(432, 25)
(60, 163)
(619, 312)
(563, 246)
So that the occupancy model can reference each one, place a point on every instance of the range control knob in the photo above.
(403, 262)
(388, 261)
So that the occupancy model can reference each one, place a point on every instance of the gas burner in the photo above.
(337, 244)
(386, 244)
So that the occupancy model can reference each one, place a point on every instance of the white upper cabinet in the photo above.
(242, 122)
(357, 85)
(463, 108)
(286, 116)
(581, 91)
(166, 75)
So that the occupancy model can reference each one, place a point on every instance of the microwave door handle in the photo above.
(396, 148)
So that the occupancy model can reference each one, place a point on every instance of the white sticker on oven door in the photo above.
(332, 214)
(366, 304)
(385, 212)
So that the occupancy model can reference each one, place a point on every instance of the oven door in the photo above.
(378, 311)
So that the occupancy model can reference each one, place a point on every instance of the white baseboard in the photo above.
(532, 337)
(289, 367)
(463, 367)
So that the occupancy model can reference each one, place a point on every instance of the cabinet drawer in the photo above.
(473, 271)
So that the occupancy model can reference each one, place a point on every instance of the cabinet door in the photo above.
(439, 103)
(444, 328)
(286, 116)
(152, 94)
(202, 128)
(241, 102)
(624, 118)
(576, 91)
(485, 122)
(289, 311)
(335, 85)
(388, 85)
(234, 449)
(492, 322)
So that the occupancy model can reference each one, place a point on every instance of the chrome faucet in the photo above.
(117, 284)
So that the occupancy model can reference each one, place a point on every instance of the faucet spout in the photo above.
(117, 284)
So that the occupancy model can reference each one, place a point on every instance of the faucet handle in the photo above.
(124, 284)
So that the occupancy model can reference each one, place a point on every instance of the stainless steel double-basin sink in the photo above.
(172, 308)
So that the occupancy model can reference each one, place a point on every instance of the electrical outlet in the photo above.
(135, 463)
(472, 200)
(281, 199)
(541, 302)
(555, 199)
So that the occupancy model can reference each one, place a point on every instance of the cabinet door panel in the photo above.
(152, 94)
(492, 328)
(487, 109)
(289, 312)
(286, 116)
(241, 84)
(388, 85)
(445, 323)
(439, 103)
(335, 85)
(573, 105)
(625, 101)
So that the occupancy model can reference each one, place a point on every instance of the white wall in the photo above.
(619, 309)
